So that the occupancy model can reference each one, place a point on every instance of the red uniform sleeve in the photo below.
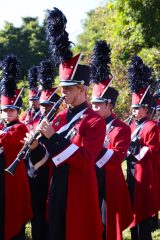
(120, 145)
(149, 142)
(14, 136)
(117, 148)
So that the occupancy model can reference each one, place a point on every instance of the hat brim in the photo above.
(33, 98)
(100, 100)
(139, 105)
(45, 102)
(67, 83)
(9, 107)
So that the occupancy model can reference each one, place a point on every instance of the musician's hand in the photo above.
(1, 132)
(46, 128)
(28, 138)
(28, 120)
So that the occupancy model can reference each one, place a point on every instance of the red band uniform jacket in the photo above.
(74, 149)
(118, 207)
(16, 194)
(156, 164)
(144, 192)
(30, 118)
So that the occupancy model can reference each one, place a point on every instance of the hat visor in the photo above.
(100, 100)
(45, 102)
(33, 98)
(67, 83)
(9, 107)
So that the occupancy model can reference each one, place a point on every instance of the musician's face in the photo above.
(45, 108)
(157, 114)
(34, 104)
(74, 95)
(9, 114)
(103, 109)
(139, 112)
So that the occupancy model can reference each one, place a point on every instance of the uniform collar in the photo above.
(138, 122)
(109, 119)
(12, 123)
(78, 108)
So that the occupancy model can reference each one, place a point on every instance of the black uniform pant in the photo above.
(2, 195)
(39, 192)
(142, 231)
(57, 203)
(154, 223)
(100, 173)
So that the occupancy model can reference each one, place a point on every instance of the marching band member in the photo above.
(15, 205)
(157, 163)
(142, 152)
(39, 179)
(114, 196)
(73, 141)
(33, 112)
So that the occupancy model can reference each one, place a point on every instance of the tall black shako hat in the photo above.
(10, 95)
(140, 79)
(33, 93)
(100, 74)
(70, 71)
(46, 77)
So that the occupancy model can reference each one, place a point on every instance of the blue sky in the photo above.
(75, 11)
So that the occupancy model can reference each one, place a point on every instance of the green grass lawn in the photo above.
(127, 236)
(126, 233)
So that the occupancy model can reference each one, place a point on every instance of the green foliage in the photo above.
(94, 26)
(24, 84)
(151, 58)
(131, 28)
(27, 42)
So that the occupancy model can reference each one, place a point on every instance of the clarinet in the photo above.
(11, 169)
(129, 120)
(27, 116)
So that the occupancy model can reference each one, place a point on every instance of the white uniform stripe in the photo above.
(65, 154)
(100, 163)
(42, 161)
(77, 116)
(142, 153)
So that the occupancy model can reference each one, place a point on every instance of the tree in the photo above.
(27, 42)
(127, 26)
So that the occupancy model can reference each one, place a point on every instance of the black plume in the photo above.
(10, 71)
(46, 74)
(59, 44)
(33, 77)
(139, 75)
(100, 60)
